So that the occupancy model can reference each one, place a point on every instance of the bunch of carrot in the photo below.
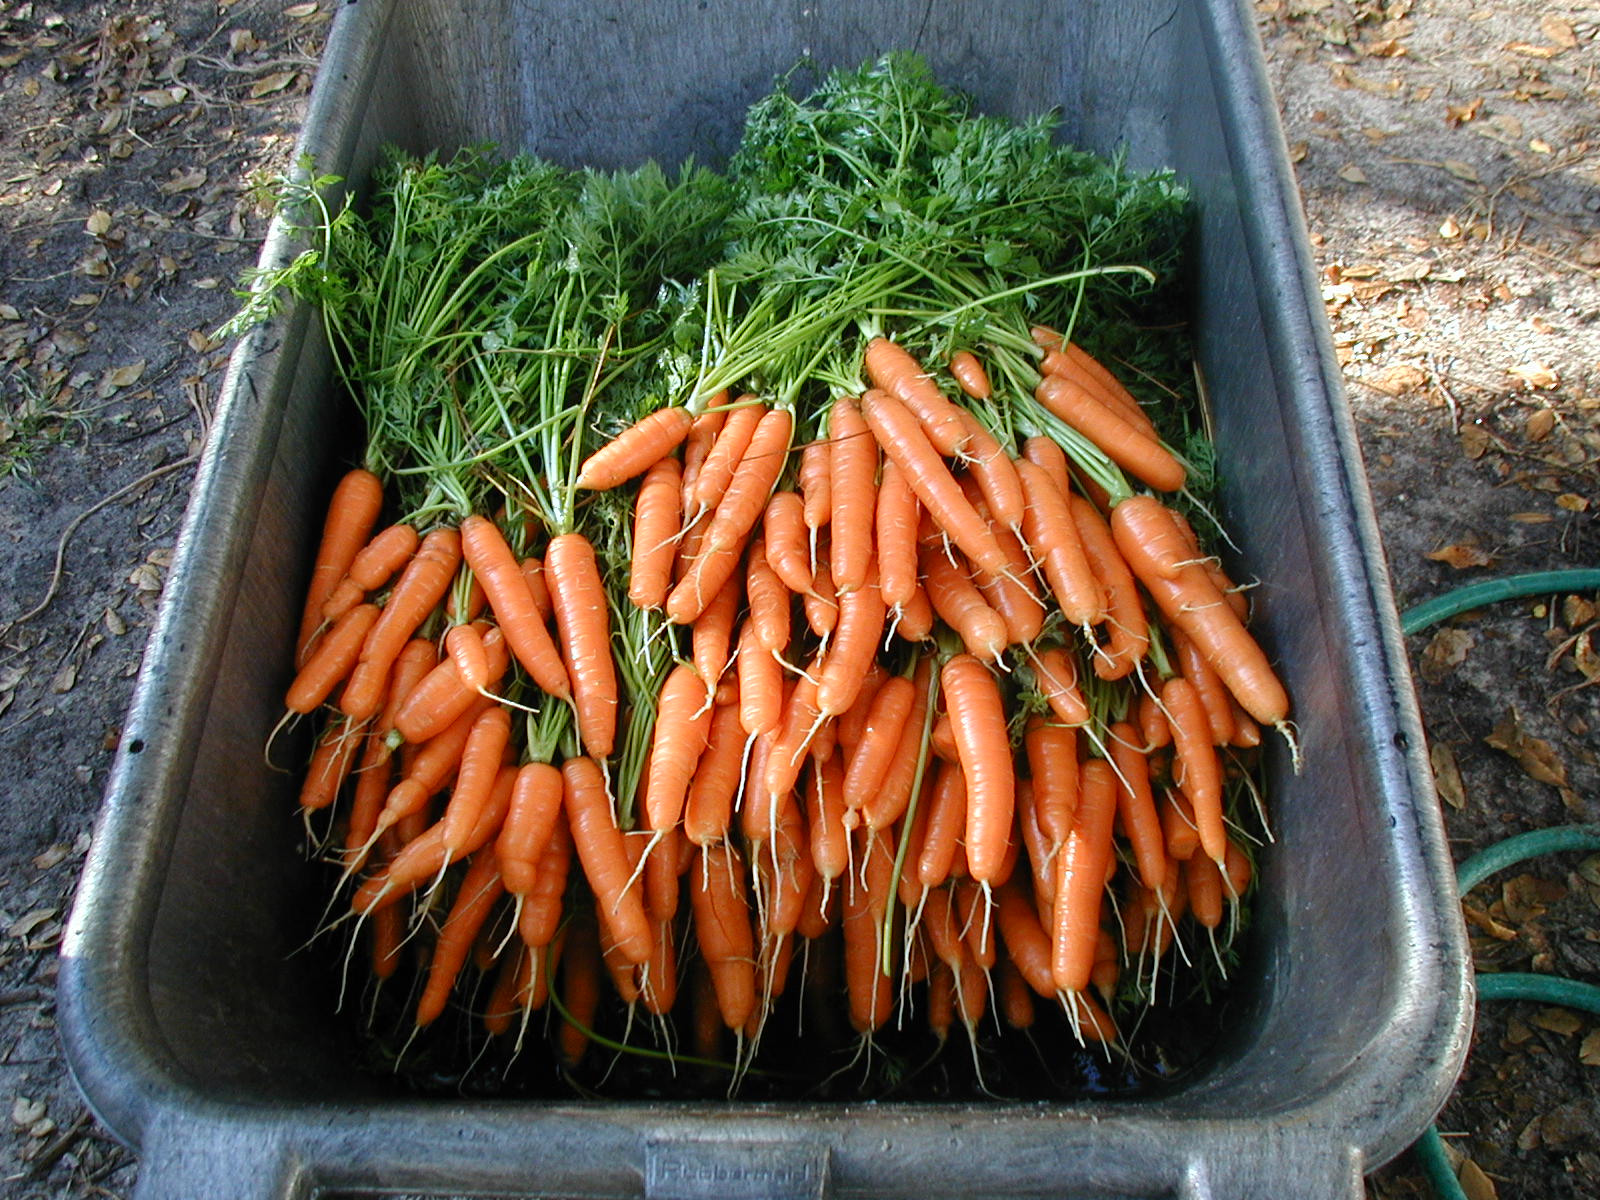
(744, 575)
(939, 695)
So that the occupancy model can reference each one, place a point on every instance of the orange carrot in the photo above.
(532, 569)
(530, 819)
(330, 764)
(1053, 762)
(581, 967)
(995, 474)
(480, 766)
(783, 532)
(895, 520)
(820, 600)
(604, 857)
(421, 586)
(825, 816)
(1137, 806)
(1178, 827)
(1129, 632)
(722, 928)
(1050, 530)
(978, 718)
(635, 450)
(904, 441)
(541, 907)
(1135, 452)
(885, 806)
(709, 804)
(947, 822)
(866, 898)
(716, 473)
(491, 560)
(760, 685)
(852, 470)
(854, 646)
(439, 698)
(961, 605)
(770, 601)
(352, 512)
(970, 375)
(697, 444)
(464, 644)
(371, 568)
(657, 519)
(480, 888)
(751, 486)
(1219, 703)
(880, 741)
(1080, 878)
(329, 664)
(815, 484)
(1147, 533)
(893, 370)
(1197, 771)
(1027, 944)
(683, 721)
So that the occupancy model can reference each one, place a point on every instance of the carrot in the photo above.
(532, 569)
(959, 603)
(866, 898)
(1080, 878)
(1049, 528)
(1219, 703)
(978, 718)
(904, 441)
(581, 968)
(530, 819)
(700, 585)
(439, 698)
(885, 806)
(942, 739)
(660, 866)
(914, 622)
(331, 661)
(683, 720)
(816, 485)
(941, 1001)
(751, 486)
(437, 759)
(464, 644)
(970, 375)
(722, 928)
(709, 805)
(769, 601)
(480, 888)
(374, 775)
(1041, 849)
(852, 723)
(852, 470)
(1198, 772)
(657, 520)
(947, 821)
(1178, 827)
(658, 985)
(783, 531)
(976, 928)
(540, 916)
(697, 444)
(1136, 804)
(995, 473)
(1193, 604)
(1154, 729)
(1094, 375)
(760, 685)
(388, 935)
(1142, 456)
(600, 849)
(716, 473)
(352, 512)
(893, 370)
(1012, 596)
(330, 764)
(1053, 763)
(854, 646)
(800, 724)
(371, 568)
(712, 634)
(820, 600)
(881, 740)
(825, 817)
(895, 520)
(501, 1008)
(491, 560)
(1147, 533)
(480, 765)
(1204, 879)
(1129, 631)
(635, 450)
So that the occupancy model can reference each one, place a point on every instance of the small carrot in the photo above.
(491, 560)
(820, 600)
(852, 470)
(947, 823)
(657, 520)
(480, 888)
(815, 484)
(895, 519)
(892, 369)
(770, 601)
(421, 586)
(540, 916)
(604, 857)
(884, 807)
(783, 532)
(751, 486)
(582, 966)
(716, 473)
(436, 700)
(480, 766)
(1080, 878)
(1219, 703)
(825, 818)
(722, 928)
(530, 819)
(978, 718)
(853, 648)
(635, 450)
(1048, 525)
(760, 685)
(709, 803)
(866, 898)
(959, 603)
(1027, 945)
(352, 512)
(995, 473)
(1136, 804)
(1053, 763)
(331, 660)
(1197, 772)
(464, 644)
(683, 721)
(1128, 629)
(330, 764)
(970, 375)
(371, 568)
(711, 636)
(880, 741)
(697, 444)
(1178, 827)
(1135, 452)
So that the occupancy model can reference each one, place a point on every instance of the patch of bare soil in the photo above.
(1449, 156)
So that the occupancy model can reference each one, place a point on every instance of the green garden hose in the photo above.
(1544, 989)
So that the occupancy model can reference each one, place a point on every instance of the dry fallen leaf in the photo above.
(1461, 170)
(1445, 651)
(1450, 229)
(1459, 114)
(98, 223)
(1527, 897)
(25, 1111)
(1589, 1051)
(185, 180)
(1475, 1183)
(1351, 173)
(268, 84)
(26, 924)
(1537, 757)
(55, 855)
(1558, 1020)
(1541, 423)
(1462, 555)
(121, 377)
(1447, 775)
(1533, 50)
(298, 12)
(1397, 380)
(1536, 375)
(1475, 441)
(1558, 31)
(65, 679)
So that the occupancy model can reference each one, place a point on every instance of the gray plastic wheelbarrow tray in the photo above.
(201, 1039)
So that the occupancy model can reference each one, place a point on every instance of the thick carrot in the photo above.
(657, 519)
(801, 721)
(770, 601)
(853, 722)
(995, 473)
(697, 444)
(820, 600)
(825, 816)
(1012, 595)
(947, 822)
(1048, 526)
(915, 621)
(491, 560)
(748, 492)
(1197, 771)
(1080, 878)
(464, 645)
(853, 470)
(481, 886)
(1094, 376)
(892, 369)
(604, 857)
(583, 621)
(1178, 827)
(978, 718)
(959, 603)
(352, 512)
(330, 764)
(783, 531)
(421, 586)
(1220, 706)
(885, 806)
(683, 720)
(371, 568)
(716, 473)
(1147, 533)
(815, 484)
(530, 819)
(1053, 762)
(711, 637)
(330, 662)
(722, 928)
(1135, 452)
(540, 916)
(705, 578)
(1204, 879)
(904, 441)
(635, 450)
(868, 983)
(1154, 728)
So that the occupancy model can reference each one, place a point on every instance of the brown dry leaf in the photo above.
(299, 12)
(1298, 151)
(1397, 380)
(1534, 755)
(1558, 31)
(164, 97)
(1461, 555)
(1541, 423)
(1589, 1051)
(1384, 48)
(242, 41)
(98, 223)
(1578, 610)
(1586, 658)
(1536, 375)
(1450, 229)
(1460, 114)
(1461, 170)
(121, 377)
(51, 857)
(1351, 173)
(25, 1111)
(1527, 897)
(1478, 917)
(1475, 441)
(1445, 651)
(65, 679)
(27, 923)
(1558, 1020)
(1532, 518)
(1447, 775)
(268, 84)
(1475, 1183)
(1533, 50)
(185, 180)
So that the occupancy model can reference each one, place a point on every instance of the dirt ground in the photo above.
(1449, 156)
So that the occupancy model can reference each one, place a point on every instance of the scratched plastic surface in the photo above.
(203, 1041)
